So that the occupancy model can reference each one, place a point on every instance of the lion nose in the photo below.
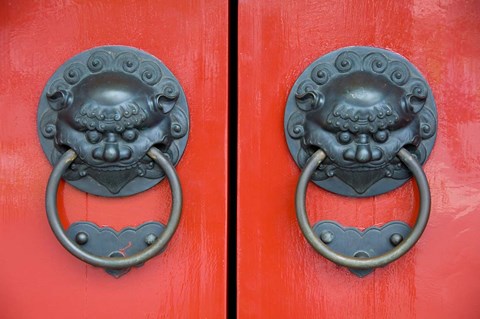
(111, 151)
(363, 154)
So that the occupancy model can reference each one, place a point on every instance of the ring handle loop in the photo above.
(113, 262)
(363, 263)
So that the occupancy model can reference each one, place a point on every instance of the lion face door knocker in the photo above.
(360, 121)
(114, 121)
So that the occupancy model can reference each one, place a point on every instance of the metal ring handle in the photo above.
(363, 263)
(113, 262)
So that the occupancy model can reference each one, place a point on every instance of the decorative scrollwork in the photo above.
(179, 125)
(47, 124)
(74, 73)
(295, 125)
(375, 62)
(127, 62)
(321, 73)
(150, 72)
(98, 61)
(347, 61)
(399, 73)
(428, 124)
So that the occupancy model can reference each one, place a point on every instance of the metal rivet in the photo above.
(327, 236)
(361, 254)
(177, 128)
(81, 238)
(150, 239)
(116, 254)
(396, 239)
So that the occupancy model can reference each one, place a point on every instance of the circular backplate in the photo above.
(110, 104)
(360, 105)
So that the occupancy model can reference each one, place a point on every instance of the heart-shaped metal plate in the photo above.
(371, 242)
(106, 242)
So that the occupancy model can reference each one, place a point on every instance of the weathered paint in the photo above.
(40, 279)
(279, 274)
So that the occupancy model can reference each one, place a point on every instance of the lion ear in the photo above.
(163, 102)
(60, 99)
(309, 100)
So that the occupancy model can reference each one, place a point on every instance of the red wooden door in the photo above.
(279, 274)
(38, 278)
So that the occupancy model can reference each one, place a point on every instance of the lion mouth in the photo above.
(143, 163)
(114, 168)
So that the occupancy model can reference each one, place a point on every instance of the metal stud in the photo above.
(81, 238)
(396, 239)
(150, 239)
(327, 236)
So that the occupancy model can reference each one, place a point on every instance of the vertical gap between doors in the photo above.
(232, 159)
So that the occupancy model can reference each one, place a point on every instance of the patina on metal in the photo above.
(106, 242)
(103, 255)
(360, 105)
(110, 105)
(361, 257)
(372, 242)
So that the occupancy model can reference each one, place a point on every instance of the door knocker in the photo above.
(113, 121)
(360, 121)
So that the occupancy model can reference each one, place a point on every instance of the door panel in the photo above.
(279, 274)
(38, 278)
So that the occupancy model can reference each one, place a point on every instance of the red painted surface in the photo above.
(279, 274)
(38, 278)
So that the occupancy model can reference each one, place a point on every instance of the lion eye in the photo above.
(94, 136)
(381, 136)
(344, 137)
(129, 135)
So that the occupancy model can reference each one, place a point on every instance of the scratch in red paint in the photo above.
(122, 250)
